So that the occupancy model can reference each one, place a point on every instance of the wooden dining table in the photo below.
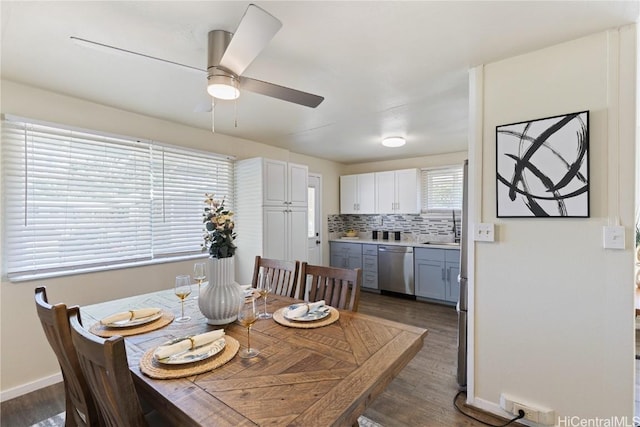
(325, 376)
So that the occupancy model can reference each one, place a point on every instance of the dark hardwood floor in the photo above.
(421, 395)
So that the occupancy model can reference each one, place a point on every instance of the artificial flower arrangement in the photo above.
(218, 224)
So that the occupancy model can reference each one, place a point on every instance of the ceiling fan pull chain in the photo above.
(235, 112)
(213, 116)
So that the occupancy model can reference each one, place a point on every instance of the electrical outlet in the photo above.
(534, 413)
(529, 413)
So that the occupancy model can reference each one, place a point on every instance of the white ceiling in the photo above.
(384, 68)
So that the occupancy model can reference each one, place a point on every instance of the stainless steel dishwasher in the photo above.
(395, 269)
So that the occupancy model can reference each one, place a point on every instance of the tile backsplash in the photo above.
(419, 228)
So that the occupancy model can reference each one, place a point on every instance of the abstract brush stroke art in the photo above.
(542, 167)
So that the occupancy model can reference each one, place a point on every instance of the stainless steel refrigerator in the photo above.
(462, 306)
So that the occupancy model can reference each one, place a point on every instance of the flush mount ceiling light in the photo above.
(394, 141)
(222, 85)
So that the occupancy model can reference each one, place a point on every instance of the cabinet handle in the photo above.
(443, 274)
(355, 207)
(448, 275)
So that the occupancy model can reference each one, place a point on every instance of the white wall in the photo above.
(447, 159)
(553, 310)
(19, 374)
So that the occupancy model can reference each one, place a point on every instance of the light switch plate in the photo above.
(613, 237)
(483, 232)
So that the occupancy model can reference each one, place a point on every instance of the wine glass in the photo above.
(198, 275)
(264, 287)
(247, 316)
(182, 290)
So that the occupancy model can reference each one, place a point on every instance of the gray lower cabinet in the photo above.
(357, 255)
(436, 274)
(369, 266)
(346, 255)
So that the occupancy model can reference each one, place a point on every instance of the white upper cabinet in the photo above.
(357, 194)
(397, 192)
(285, 184)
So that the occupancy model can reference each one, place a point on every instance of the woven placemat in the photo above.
(150, 367)
(105, 332)
(333, 316)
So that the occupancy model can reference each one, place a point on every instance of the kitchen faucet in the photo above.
(455, 234)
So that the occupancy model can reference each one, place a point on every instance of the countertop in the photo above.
(398, 243)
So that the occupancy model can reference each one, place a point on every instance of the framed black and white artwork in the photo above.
(542, 167)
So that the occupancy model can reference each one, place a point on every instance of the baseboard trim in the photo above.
(495, 409)
(29, 387)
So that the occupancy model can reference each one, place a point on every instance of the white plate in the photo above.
(134, 322)
(309, 317)
(198, 353)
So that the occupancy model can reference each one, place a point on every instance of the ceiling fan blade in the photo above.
(113, 49)
(280, 92)
(203, 106)
(256, 29)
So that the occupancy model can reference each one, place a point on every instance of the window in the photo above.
(441, 188)
(76, 200)
(311, 215)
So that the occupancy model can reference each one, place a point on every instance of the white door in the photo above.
(385, 192)
(275, 183)
(276, 233)
(314, 220)
(366, 193)
(298, 177)
(407, 191)
(297, 244)
(348, 194)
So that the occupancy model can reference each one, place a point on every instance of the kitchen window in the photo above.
(441, 189)
(78, 200)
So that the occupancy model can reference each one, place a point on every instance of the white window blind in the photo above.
(180, 180)
(76, 200)
(441, 188)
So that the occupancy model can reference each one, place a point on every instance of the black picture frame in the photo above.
(542, 168)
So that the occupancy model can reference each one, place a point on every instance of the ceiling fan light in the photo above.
(223, 87)
(394, 141)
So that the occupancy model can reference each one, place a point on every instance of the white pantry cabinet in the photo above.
(270, 213)
(285, 233)
(357, 194)
(397, 192)
(285, 184)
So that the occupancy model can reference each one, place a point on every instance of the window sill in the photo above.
(93, 269)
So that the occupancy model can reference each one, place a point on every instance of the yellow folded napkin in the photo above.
(130, 315)
(188, 343)
(304, 309)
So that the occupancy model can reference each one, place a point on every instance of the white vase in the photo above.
(220, 298)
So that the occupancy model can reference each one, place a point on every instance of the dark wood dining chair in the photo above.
(282, 274)
(106, 368)
(338, 287)
(80, 407)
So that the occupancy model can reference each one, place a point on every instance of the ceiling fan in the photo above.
(229, 55)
